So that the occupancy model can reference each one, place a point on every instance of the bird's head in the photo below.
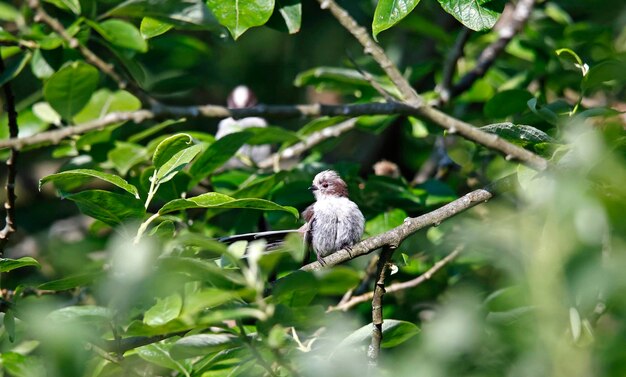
(241, 97)
(328, 184)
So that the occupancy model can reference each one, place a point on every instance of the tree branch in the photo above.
(9, 205)
(159, 111)
(451, 124)
(42, 15)
(450, 64)
(510, 24)
(400, 286)
(377, 306)
(395, 236)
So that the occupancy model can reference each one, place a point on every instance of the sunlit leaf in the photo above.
(69, 89)
(7, 264)
(110, 208)
(77, 174)
(239, 16)
(474, 14)
(390, 12)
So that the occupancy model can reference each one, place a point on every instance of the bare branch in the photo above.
(9, 205)
(159, 111)
(510, 24)
(450, 64)
(312, 140)
(377, 306)
(395, 236)
(400, 286)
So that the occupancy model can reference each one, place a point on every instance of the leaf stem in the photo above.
(143, 227)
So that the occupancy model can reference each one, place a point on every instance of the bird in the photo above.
(239, 98)
(333, 222)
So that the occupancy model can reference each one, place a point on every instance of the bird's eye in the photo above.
(324, 185)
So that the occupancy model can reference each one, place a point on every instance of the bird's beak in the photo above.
(313, 188)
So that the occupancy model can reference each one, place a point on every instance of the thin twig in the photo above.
(362, 286)
(395, 236)
(403, 285)
(450, 64)
(510, 24)
(42, 15)
(9, 204)
(370, 79)
(377, 306)
(311, 140)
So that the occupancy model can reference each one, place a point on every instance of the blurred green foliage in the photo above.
(127, 278)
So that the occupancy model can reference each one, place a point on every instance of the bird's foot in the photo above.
(349, 250)
(320, 260)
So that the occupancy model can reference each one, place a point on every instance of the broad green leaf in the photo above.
(181, 12)
(291, 13)
(104, 101)
(394, 332)
(217, 154)
(71, 5)
(296, 289)
(269, 135)
(72, 175)
(474, 14)
(8, 12)
(176, 163)
(506, 103)
(216, 200)
(259, 188)
(169, 147)
(71, 282)
(14, 69)
(385, 221)
(346, 80)
(86, 313)
(110, 208)
(121, 34)
(164, 310)
(202, 270)
(69, 89)
(9, 324)
(18, 365)
(518, 133)
(159, 354)
(138, 328)
(543, 112)
(151, 27)
(46, 113)
(238, 16)
(158, 127)
(202, 344)
(7, 264)
(126, 155)
(606, 71)
(206, 298)
(390, 12)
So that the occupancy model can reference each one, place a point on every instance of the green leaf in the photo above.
(346, 80)
(217, 154)
(77, 174)
(121, 34)
(9, 324)
(14, 69)
(238, 16)
(543, 112)
(215, 200)
(385, 221)
(7, 264)
(180, 12)
(202, 344)
(126, 155)
(151, 27)
(518, 133)
(110, 208)
(296, 289)
(506, 103)
(46, 113)
(159, 354)
(177, 163)
(18, 365)
(169, 147)
(390, 12)
(71, 282)
(608, 70)
(202, 270)
(269, 135)
(8, 12)
(206, 298)
(259, 188)
(69, 89)
(104, 101)
(86, 313)
(71, 5)
(394, 332)
(290, 13)
(472, 13)
(164, 310)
